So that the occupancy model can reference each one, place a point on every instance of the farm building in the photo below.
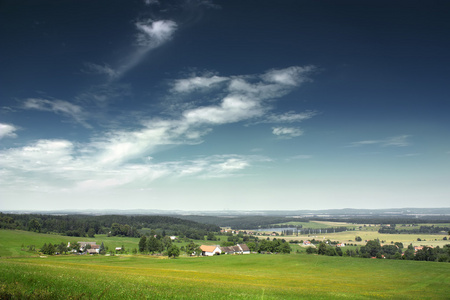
(238, 249)
(89, 246)
(210, 250)
(244, 248)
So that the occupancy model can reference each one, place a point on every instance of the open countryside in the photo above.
(209, 267)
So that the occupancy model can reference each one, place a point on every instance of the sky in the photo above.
(224, 105)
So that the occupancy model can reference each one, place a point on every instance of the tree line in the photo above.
(373, 249)
(392, 229)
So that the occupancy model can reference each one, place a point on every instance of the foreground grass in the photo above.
(221, 277)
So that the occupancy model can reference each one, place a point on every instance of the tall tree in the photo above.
(173, 251)
(142, 244)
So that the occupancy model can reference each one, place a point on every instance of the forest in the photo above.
(113, 225)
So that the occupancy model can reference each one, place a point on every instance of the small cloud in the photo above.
(151, 34)
(293, 76)
(7, 130)
(290, 117)
(396, 141)
(58, 107)
(154, 33)
(287, 132)
(151, 2)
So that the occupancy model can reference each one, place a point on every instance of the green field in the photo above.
(255, 276)
(13, 241)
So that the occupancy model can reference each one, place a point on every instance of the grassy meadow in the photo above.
(254, 276)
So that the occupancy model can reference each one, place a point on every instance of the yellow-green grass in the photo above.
(349, 237)
(222, 277)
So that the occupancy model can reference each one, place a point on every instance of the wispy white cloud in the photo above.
(69, 167)
(292, 76)
(120, 157)
(196, 83)
(58, 107)
(152, 34)
(101, 69)
(102, 95)
(395, 141)
(287, 132)
(7, 130)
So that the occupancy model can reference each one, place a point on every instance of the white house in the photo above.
(208, 250)
(244, 248)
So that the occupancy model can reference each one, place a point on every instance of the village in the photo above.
(92, 248)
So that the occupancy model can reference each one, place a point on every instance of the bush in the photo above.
(311, 250)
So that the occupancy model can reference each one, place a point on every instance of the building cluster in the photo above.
(210, 250)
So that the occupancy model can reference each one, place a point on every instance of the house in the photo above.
(306, 243)
(340, 245)
(244, 248)
(227, 250)
(91, 251)
(173, 238)
(83, 246)
(210, 250)
(237, 250)
(118, 248)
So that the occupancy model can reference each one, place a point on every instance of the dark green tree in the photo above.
(154, 245)
(91, 232)
(62, 248)
(311, 250)
(143, 244)
(371, 248)
(322, 248)
(173, 251)
(34, 225)
(210, 236)
(191, 247)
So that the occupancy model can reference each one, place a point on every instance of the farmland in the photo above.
(255, 276)
(223, 277)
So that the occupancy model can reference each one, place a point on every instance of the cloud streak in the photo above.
(59, 107)
(395, 141)
(151, 35)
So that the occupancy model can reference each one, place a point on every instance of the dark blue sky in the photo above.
(224, 105)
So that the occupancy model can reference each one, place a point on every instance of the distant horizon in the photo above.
(413, 209)
(222, 105)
